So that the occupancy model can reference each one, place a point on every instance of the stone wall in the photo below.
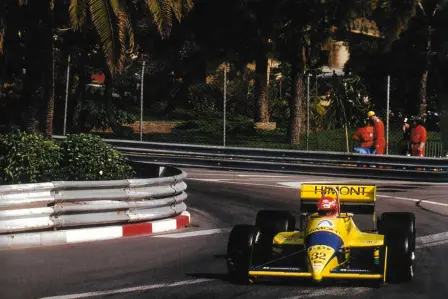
(148, 127)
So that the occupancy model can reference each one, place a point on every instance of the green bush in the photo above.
(27, 158)
(236, 125)
(87, 157)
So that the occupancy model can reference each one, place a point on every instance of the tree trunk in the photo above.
(261, 89)
(49, 76)
(33, 79)
(443, 96)
(295, 104)
(84, 79)
(110, 107)
(422, 90)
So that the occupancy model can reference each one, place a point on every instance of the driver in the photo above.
(327, 207)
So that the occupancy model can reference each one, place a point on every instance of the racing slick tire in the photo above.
(239, 252)
(274, 221)
(399, 234)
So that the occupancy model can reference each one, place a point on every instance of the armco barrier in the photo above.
(286, 161)
(31, 207)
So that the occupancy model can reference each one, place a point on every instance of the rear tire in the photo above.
(399, 235)
(274, 221)
(239, 252)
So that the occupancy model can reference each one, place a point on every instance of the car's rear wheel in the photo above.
(399, 234)
(239, 252)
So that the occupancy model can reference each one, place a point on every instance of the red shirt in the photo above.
(379, 131)
(365, 136)
(418, 134)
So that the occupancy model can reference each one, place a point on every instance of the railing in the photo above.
(53, 205)
(287, 161)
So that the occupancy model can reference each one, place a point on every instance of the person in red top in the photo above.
(417, 137)
(378, 126)
(365, 137)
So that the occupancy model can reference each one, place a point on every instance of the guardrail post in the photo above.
(308, 112)
(224, 106)
(66, 95)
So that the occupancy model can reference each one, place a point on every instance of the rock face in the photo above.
(339, 55)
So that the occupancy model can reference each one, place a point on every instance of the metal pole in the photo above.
(387, 117)
(224, 106)
(66, 96)
(308, 113)
(141, 101)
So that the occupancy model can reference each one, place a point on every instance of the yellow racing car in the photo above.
(327, 245)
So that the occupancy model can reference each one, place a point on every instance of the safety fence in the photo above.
(61, 204)
(286, 161)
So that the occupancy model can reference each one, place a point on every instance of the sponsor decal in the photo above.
(325, 223)
(343, 190)
(368, 242)
(322, 228)
(352, 270)
(317, 266)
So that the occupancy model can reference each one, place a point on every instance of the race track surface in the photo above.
(191, 263)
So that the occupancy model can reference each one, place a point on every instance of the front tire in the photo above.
(239, 252)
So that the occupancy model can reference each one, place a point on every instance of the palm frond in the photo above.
(161, 11)
(78, 12)
(2, 39)
(181, 8)
(115, 6)
(130, 33)
(106, 25)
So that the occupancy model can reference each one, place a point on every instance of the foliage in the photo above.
(234, 125)
(30, 158)
(94, 113)
(113, 21)
(203, 98)
(351, 101)
(88, 157)
(27, 158)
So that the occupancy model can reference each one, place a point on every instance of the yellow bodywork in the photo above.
(321, 258)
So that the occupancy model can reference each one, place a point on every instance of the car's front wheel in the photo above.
(239, 252)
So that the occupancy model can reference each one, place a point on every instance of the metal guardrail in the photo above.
(286, 161)
(60, 204)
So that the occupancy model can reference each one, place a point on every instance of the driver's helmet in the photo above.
(327, 206)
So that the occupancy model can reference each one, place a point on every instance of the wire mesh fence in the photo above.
(219, 107)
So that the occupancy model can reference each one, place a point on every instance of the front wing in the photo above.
(340, 273)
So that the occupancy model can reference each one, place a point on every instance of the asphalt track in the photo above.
(191, 263)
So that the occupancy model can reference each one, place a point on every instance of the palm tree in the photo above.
(114, 19)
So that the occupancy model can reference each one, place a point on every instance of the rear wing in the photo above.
(356, 199)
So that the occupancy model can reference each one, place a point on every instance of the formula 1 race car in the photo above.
(325, 247)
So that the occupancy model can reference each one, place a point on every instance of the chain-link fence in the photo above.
(219, 106)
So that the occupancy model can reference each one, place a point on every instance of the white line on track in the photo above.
(241, 183)
(195, 233)
(267, 176)
(132, 289)
(415, 200)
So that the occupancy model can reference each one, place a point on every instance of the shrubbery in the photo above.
(234, 125)
(27, 158)
(87, 157)
(30, 158)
